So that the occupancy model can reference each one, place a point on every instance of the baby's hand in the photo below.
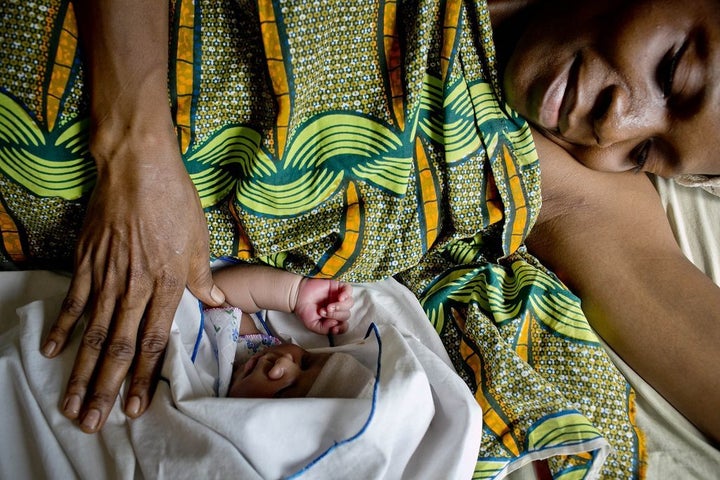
(324, 305)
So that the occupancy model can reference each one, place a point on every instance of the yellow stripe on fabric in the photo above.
(61, 66)
(276, 69)
(488, 469)
(11, 236)
(523, 343)
(493, 202)
(517, 201)
(460, 136)
(295, 198)
(429, 203)
(451, 19)
(244, 249)
(316, 142)
(523, 145)
(351, 235)
(491, 418)
(641, 440)
(68, 180)
(184, 72)
(16, 126)
(568, 428)
(393, 57)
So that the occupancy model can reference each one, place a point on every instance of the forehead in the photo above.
(290, 348)
(574, 19)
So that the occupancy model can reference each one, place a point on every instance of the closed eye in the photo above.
(640, 154)
(668, 68)
(305, 362)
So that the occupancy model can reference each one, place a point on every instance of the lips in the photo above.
(250, 365)
(559, 98)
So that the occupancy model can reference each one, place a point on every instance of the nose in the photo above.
(621, 115)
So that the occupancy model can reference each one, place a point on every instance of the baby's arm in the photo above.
(322, 305)
(257, 287)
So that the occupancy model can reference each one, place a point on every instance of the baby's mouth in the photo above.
(249, 366)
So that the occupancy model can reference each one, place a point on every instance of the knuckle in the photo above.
(73, 306)
(121, 349)
(141, 383)
(153, 344)
(169, 280)
(59, 331)
(77, 383)
(137, 281)
(94, 337)
(102, 399)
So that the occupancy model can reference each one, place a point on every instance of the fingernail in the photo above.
(72, 405)
(133, 406)
(49, 348)
(217, 295)
(91, 420)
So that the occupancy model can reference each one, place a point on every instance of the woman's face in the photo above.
(624, 85)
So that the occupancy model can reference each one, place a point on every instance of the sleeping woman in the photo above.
(393, 154)
(625, 87)
(622, 86)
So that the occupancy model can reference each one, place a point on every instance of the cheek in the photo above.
(703, 158)
(699, 143)
(613, 159)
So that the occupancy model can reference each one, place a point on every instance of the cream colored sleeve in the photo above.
(258, 287)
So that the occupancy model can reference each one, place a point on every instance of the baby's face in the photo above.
(280, 371)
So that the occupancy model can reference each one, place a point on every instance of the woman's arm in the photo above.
(145, 237)
(607, 237)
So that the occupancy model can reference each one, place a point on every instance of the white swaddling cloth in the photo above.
(421, 420)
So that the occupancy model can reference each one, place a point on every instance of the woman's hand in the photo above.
(324, 305)
(145, 236)
(144, 239)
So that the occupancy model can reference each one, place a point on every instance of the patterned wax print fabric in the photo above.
(346, 138)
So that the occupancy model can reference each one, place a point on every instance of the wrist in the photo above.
(294, 292)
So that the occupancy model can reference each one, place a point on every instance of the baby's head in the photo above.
(288, 370)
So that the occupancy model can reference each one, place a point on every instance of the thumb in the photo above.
(200, 283)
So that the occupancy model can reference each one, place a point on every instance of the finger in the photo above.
(281, 366)
(73, 307)
(340, 328)
(345, 293)
(87, 356)
(118, 354)
(108, 285)
(200, 281)
(332, 311)
(333, 289)
(152, 342)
